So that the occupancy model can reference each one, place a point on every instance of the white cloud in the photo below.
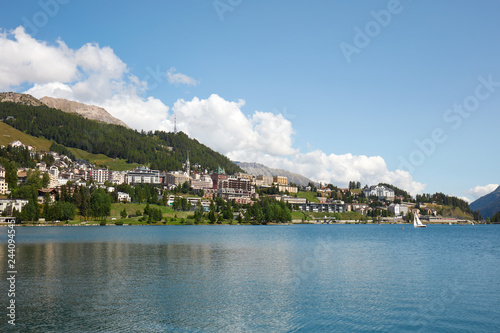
(480, 191)
(91, 74)
(95, 75)
(24, 59)
(223, 126)
(267, 138)
(179, 78)
(463, 198)
(53, 89)
(139, 113)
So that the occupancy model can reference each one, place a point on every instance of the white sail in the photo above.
(416, 222)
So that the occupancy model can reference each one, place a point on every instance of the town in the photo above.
(59, 188)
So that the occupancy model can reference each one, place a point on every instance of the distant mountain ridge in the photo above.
(260, 169)
(24, 99)
(91, 112)
(488, 205)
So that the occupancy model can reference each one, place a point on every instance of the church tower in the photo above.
(188, 166)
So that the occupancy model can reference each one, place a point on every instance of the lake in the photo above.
(301, 278)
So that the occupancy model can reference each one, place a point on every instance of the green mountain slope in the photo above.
(8, 134)
(159, 150)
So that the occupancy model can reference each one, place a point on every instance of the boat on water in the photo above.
(417, 223)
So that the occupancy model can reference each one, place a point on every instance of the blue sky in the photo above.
(272, 82)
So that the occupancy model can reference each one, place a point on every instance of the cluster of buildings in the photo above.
(240, 187)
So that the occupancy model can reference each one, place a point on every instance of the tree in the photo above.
(62, 211)
(198, 217)
(123, 213)
(30, 211)
(34, 179)
(100, 204)
(147, 210)
(83, 201)
(46, 206)
(45, 180)
(211, 216)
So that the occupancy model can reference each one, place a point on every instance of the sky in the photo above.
(402, 92)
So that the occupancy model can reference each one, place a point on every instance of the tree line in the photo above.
(159, 150)
(445, 200)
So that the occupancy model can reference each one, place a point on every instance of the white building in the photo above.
(9, 205)
(124, 197)
(118, 177)
(54, 171)
(4, 187)
(143, 175)
(379, 191)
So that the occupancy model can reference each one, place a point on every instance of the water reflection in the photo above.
(103, 286)
(309, 278)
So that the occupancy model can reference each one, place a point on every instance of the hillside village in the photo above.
(212, 195)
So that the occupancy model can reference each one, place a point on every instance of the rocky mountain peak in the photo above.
(24, 99)
(87, 111)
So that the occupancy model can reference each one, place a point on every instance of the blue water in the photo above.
(304, 278)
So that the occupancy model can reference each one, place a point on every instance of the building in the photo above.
(202, 183)
(9, 205)
(43, 192)
(397, 209)
(42, 166)
(17, 144)
(290, 200)
(118, 177)
(262, 180)
(98, 175)
(216, 178)
(233, 188)
(332, 207)
(53, 180)
(379, 191)
(143, 175)
(124, 197)
(287, 188)
(280, 180)
(176, 178)
(187, 167)
(4, 187)
(360, 208)
(248, 176)
(54, 171)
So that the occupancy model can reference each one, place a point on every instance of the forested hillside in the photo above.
(159, 150)
(445, 200)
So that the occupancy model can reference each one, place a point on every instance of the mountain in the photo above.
(488, 205)
(260, 169)
(87, 111)
(23, 99)
(159, 150)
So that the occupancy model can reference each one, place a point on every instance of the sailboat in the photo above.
(417, 223)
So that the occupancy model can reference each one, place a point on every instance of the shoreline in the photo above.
(233, 224)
